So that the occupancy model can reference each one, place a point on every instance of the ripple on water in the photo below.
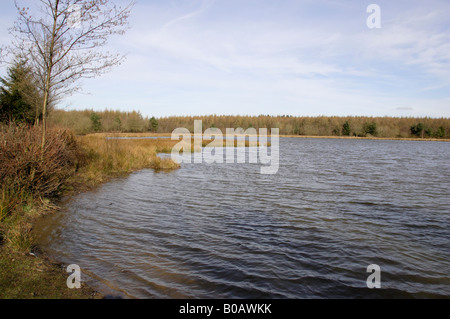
(225, 231)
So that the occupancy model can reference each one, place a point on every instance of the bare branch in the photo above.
(61, 52)
(68, 52)
(1, 55)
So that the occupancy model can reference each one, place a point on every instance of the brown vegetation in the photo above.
(383, 127)
(29, 179)
(106, 158)
(84, 122)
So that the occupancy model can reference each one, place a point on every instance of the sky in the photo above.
(276, 57)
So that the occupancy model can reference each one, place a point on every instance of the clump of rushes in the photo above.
(164, 164)
(105, 158)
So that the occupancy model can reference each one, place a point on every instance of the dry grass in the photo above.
(143, 135)
(105, 158)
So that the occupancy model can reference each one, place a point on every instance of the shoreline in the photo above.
(52, 265)
(29, 272)
(45, 269)
(371, 138)
(37, 276)
(91, 189)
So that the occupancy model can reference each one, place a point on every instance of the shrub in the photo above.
(417, 130)
(440, 132)
(153, 124)
(26, 168)
(370, 128)
(346, 129)
(96, 124)
(29, 175)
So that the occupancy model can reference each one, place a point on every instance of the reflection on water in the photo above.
(310, 231)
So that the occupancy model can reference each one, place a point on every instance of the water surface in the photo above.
(310, 231)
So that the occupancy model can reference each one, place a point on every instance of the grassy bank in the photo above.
(32, 183)
(24, 276)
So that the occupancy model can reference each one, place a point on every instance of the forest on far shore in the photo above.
(90, 121)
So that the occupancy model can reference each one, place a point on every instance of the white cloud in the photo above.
(298, 57)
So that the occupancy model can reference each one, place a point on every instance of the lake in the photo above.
(335, 207)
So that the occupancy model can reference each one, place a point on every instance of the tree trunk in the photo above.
(36, 117)
(44, 114)
(48, 79)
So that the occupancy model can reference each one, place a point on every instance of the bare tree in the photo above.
(64, 39)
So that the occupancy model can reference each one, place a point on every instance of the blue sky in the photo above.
(251, 57)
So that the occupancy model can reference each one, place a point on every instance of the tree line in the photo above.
(357, 126)
(111, 121)
(90, 121)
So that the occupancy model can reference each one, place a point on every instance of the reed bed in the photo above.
(105, 158)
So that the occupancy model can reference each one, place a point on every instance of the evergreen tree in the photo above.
(96, 123)
(418, 130)
(153, 124)
(370, 128)
(18, 95)
(346, 129)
